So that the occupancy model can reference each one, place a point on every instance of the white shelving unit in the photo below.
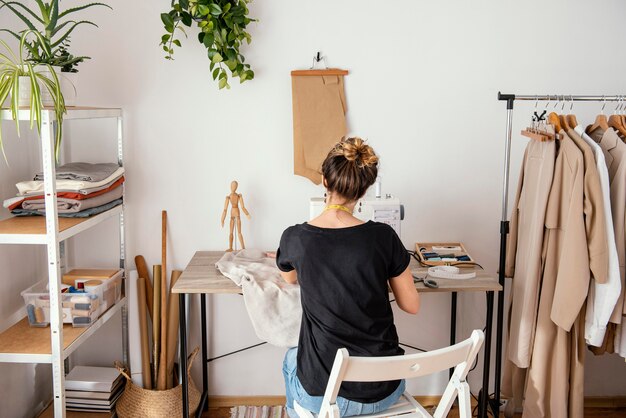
(22, 343)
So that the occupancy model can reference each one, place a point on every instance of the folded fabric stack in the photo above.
(83, 190)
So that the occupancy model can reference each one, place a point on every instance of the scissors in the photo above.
(427, 282)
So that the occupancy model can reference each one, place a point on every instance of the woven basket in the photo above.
(138, 402)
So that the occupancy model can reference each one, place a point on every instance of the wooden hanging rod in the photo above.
(328, 71)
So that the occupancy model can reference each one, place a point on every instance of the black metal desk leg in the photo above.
(453, 324)
(483, 403)
(183, 353)
(205, 356)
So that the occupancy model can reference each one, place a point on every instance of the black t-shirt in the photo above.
(343, 275)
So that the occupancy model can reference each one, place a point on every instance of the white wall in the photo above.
(422, 88)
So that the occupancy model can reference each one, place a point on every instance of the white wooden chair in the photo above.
(461, 356)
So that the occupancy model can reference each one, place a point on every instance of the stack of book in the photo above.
(93, 389)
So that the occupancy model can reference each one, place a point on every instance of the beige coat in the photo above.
(615, 155)
(524, 247)
(574, 243)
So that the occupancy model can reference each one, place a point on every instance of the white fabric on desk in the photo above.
(273, 304)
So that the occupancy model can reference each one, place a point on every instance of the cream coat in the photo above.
(574, 244)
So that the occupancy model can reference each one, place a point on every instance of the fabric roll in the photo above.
(319, 121)
(75, 205)
(36, 186)
(83, 171)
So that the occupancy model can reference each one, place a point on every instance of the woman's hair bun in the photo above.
(356, 150)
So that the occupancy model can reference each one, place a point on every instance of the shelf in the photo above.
(49, 413)
(25, 344)
(78, 112)
(32, 229)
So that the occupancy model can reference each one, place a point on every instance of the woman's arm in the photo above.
(405, 292)
(290, 276)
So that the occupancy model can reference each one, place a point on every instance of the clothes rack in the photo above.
(485, 402)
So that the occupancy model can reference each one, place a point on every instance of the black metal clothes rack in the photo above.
(485, 401)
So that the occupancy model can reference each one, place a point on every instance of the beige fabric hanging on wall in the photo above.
(319, 118)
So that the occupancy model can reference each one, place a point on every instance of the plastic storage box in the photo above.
(79, 309)
(106, 284)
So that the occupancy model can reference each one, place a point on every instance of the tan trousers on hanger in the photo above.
(319, 121)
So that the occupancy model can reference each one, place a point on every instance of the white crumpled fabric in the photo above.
(273, 305)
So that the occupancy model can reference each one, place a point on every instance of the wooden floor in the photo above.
(589, 413)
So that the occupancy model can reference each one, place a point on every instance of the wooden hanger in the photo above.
(571, 119)
(322, 72)
(553, 119)
(600, 122)
(564, 122)
(538, 135)
(616, 123)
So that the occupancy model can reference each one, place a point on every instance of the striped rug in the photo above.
(258, 412)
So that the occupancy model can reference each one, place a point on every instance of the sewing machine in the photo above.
(380, 209)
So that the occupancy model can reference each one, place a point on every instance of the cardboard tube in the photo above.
(172, 329)
(143, 329)
(142, 271)
(161, 380)
(156, 321)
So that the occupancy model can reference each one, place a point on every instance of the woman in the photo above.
(343, 266)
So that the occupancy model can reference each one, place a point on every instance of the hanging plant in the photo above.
(222, 25)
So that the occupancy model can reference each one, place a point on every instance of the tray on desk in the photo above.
(456, 248)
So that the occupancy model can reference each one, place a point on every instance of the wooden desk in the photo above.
(202, 277)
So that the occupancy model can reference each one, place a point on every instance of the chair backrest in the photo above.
(378, 369)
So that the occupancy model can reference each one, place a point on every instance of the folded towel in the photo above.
(36, 186)
(75, 205)
(82, 214)
(83, 171)
(16, 202)
(273, 305)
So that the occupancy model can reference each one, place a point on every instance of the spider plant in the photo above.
(15, 70)
(53, 46)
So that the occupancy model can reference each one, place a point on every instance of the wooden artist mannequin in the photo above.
(234, 199)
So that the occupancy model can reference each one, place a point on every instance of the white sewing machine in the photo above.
(381, 209)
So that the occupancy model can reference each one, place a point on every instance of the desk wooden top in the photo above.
(201, 276)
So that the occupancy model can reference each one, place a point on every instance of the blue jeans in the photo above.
(347, 408)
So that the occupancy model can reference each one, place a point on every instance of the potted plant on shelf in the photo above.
(22, 84)
(222, 25)
(51, 49)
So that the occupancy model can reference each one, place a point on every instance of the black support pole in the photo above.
(452, 324)
(183, 354)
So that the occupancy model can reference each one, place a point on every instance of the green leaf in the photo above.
(215, 73)
(216, 10)
(222, 83)
(250, 74)
(243, 77)
(167, 19)
(184, 4)
(165, 38)
(10, 5)
(186, 18)
(86, 6)
(217, 58)
(211, 53)
(203, 10)
(227, 7)
(201, 36)
(211, 66)
(208, 40)
(23, 18)
(231, 54)
(176, 42)
(64, 36)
